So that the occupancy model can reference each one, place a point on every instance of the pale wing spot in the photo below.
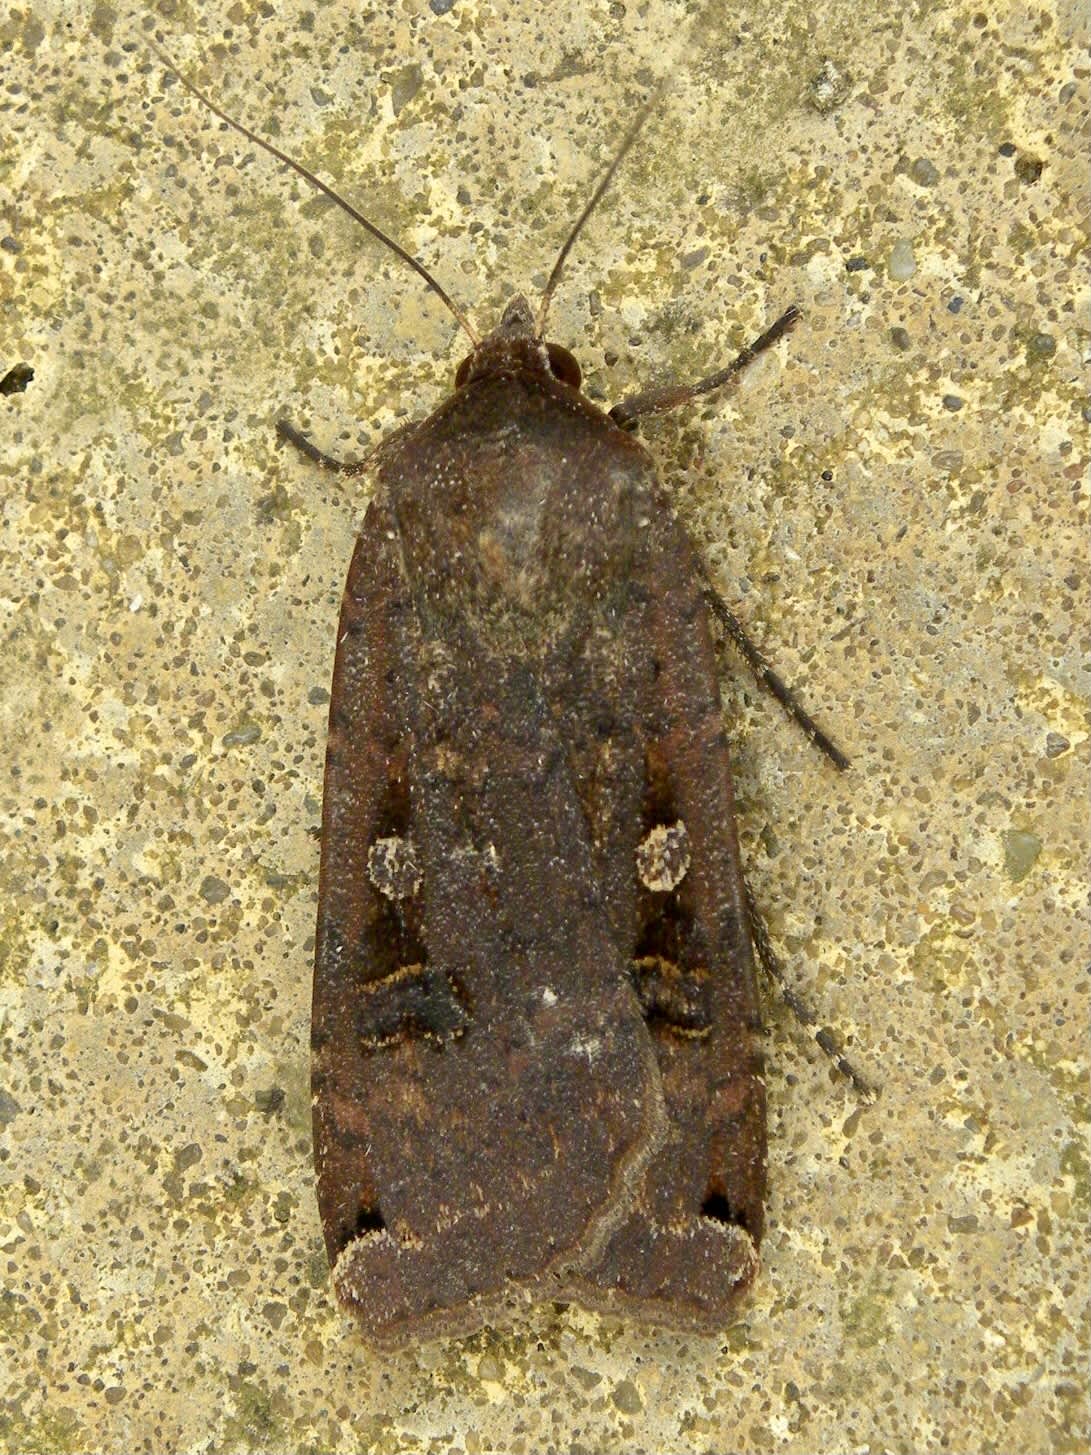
(663, 857)
(392, 867)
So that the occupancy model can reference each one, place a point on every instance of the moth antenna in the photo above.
(596, 197)
(321, 186)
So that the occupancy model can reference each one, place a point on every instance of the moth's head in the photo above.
(514, 344)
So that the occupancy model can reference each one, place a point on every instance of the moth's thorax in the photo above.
(519, 499)
(500, 352)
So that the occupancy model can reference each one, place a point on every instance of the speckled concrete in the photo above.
(893, 500)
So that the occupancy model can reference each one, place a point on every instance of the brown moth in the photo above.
(535, 1057)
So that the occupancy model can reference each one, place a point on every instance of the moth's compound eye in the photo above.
(463, 371)
(563, 366)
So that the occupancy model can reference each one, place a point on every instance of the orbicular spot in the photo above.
(663, 857)
(392, 867)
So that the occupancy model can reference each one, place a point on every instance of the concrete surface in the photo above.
(895, 503)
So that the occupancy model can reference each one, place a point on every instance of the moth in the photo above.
(536, 1066)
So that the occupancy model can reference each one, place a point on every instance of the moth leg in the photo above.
(670, 396)
(827, 1039)
(343, 467)
(771, 681)
(658, 401)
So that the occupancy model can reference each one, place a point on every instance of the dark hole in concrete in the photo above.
(16, 379)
